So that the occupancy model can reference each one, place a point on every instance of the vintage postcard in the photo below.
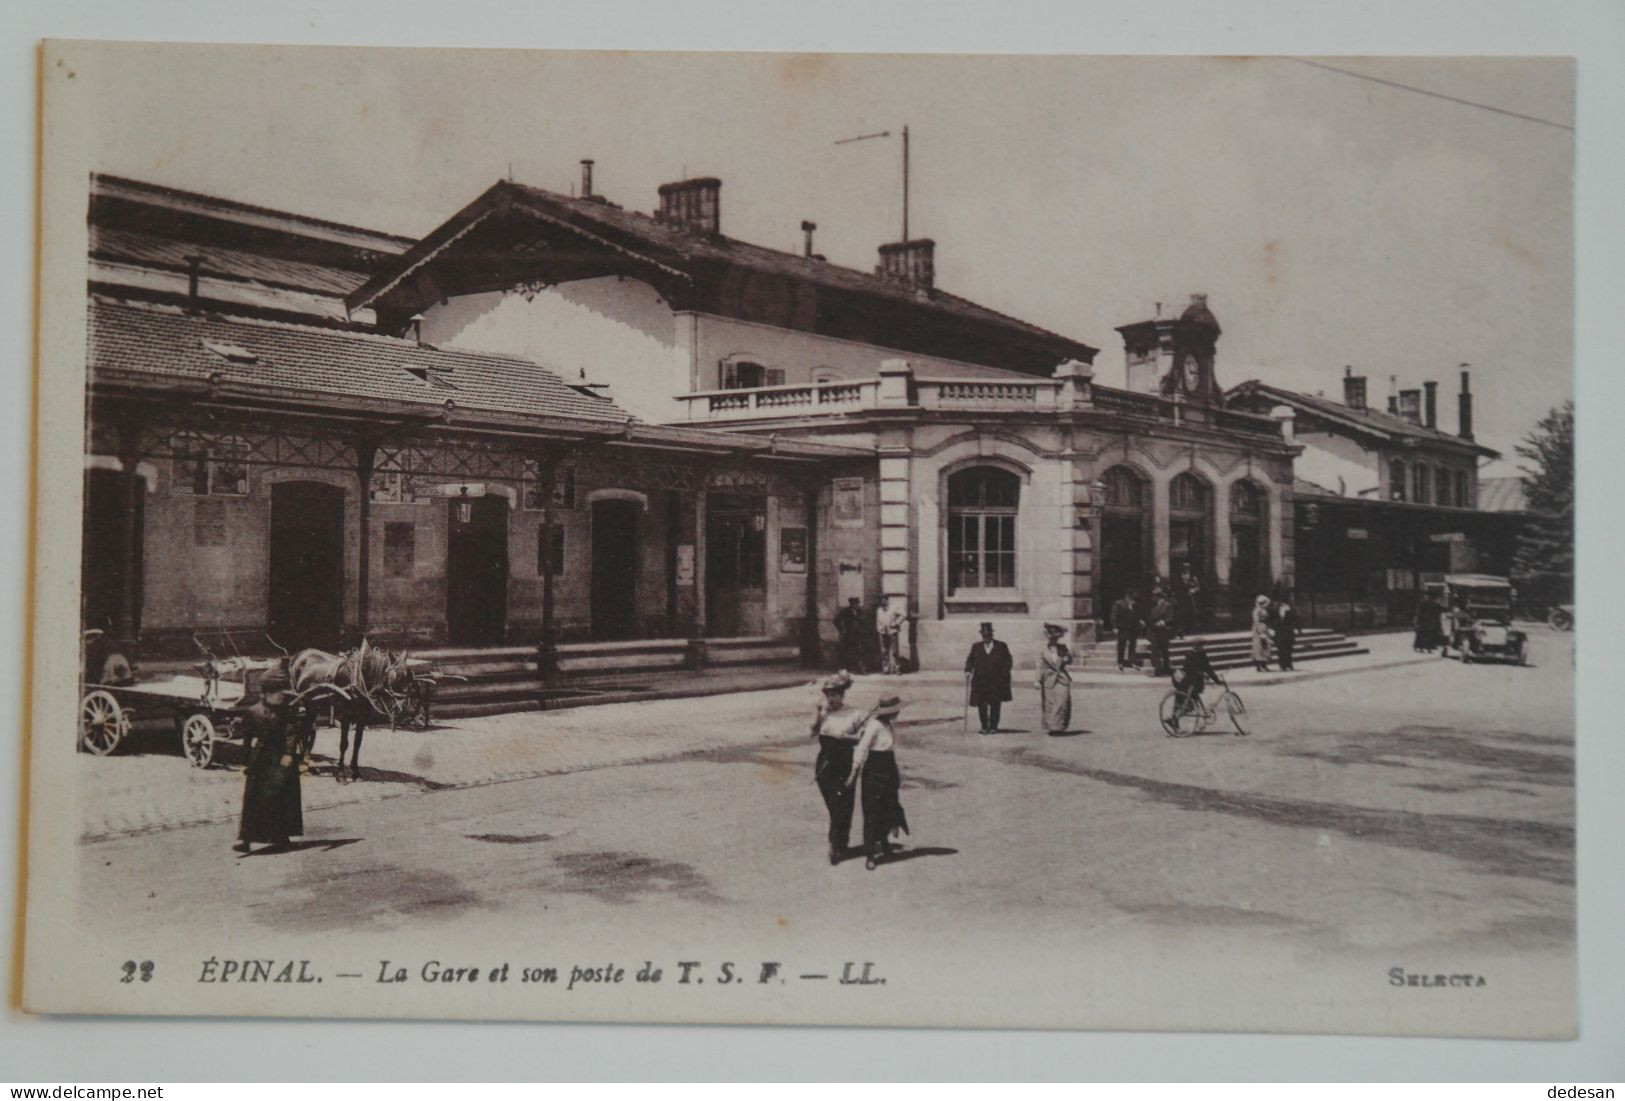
(1064, 542)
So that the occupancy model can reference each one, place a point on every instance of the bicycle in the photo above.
(1182, 714)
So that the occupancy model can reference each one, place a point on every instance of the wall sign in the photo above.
(400, 549)
(847, 509)
(208, 523)
(792, 550)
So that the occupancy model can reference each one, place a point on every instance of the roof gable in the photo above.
(705, 272)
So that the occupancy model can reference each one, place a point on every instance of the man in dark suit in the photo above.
(1160, 626)
(987, 672)
(1126, 624)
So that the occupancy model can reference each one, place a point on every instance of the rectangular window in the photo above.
(1462, 498)
(1424, 484)
(549, 550)
(1396, 479)
(400, 549)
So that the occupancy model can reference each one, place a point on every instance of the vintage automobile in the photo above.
(1480, 619)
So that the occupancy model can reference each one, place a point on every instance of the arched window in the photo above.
(825, 374)
(1396, 479)
(1124, 488)
(1124, 539)
(982, 506)
(1189, 506)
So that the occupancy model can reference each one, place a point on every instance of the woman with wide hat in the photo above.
(875, 759)
(271, 806)
(1054, 681)
(836, 726)
(1261, 633)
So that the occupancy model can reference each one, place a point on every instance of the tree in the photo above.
(1543, 564)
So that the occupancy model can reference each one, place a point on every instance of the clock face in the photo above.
(1191, 372)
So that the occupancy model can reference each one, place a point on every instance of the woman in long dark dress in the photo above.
(836, 726)
(272, 812)
(875, 759)
(1286, 635)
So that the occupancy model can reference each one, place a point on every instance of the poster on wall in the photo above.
(793, 550)
(847, 509)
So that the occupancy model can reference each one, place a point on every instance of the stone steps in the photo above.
(1227, 650)
(503, 679)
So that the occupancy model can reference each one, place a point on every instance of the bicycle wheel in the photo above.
(1180, 716)
(1237, 712)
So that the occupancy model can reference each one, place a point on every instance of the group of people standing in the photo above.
(1434, 625)
(1274, 627)
(1274, 621)
(871, 641)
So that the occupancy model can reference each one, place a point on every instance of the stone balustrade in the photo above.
(1070, 389)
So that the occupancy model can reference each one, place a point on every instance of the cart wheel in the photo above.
(197, 740)
(102, 723)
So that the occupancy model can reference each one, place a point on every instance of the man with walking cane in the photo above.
(987, 679)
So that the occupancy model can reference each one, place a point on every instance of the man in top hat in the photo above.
(987, 669)
(273, 730)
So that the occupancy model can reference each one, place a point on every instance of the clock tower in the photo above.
(1169, 356)
(1195, 338)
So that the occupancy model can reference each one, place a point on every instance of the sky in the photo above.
(1331, 220)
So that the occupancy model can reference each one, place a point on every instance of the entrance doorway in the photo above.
(1124, 561)
(307, 565)
(614, 569)
(105, 572)
(735, 565)
(477, 571)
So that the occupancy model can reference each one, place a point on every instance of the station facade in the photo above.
(554, 418)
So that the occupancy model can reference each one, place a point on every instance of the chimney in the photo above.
(693, 204)
(911, 263)
(1465, 408)
(1353, 389)
(1410, 405)
(1393, 394)
(807, 228)
(194, 272)
(586, 180)
(1431, 404)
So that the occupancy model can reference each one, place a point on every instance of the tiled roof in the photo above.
(148, 250)
(1502, 495)
(167, 342)
(1370, 421)
(674, 241)
(789, 264)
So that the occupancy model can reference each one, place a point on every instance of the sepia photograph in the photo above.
(864, 539)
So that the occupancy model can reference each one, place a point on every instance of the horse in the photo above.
(372, 679)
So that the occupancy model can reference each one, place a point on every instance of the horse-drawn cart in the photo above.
(205, 705)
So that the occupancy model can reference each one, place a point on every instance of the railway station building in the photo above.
(554, 418)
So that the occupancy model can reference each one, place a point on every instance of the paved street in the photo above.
(1419, 804)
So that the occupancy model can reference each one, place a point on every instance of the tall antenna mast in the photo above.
(887, 134)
